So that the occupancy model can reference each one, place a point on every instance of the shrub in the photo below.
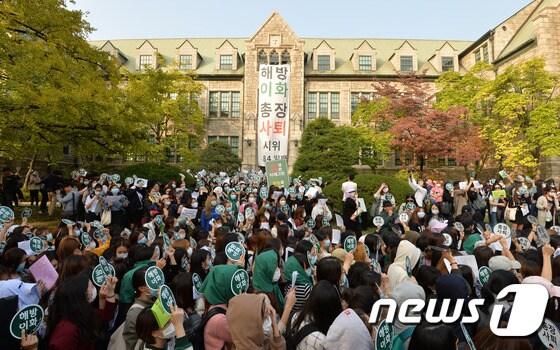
(219, 157)
(162, 173)
(368, 184)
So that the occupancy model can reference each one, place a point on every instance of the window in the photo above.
(66, 150)
(477, 56)
(146, 61)
(232, 141)
(357, 97)
(335, 105)
(224, 104)
(323, 104)
(185, 62)
(324, 62)
(485, 53)
(226, 62)
(274, 59)
(364, 63)
(263, 59)
(213, 109)
(235, 104)
(285, 57)
(447, 64)
(406, 64)
(311, 105)
(451, 162)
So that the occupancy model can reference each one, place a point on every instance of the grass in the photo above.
(36, 219)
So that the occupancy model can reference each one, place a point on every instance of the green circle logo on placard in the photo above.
(378, 221)
(325, 222)
(98, 276)
(408, 266)
(220, 209)
(86, 239)
(350, 243)
(375, 266)
(154, 278)
(263, 193)
(310, 223)
(26, 212)
(239, 282)
(36, 244)
(27, 319)
(6, 214)
(234, 251)
(484, 274)
(384, 337)
(167, 298)
(107, 267)
(197, 282)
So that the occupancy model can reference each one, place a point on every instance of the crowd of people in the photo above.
(253, 266)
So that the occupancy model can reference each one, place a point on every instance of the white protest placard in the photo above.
(189, 213)
(141, 183)
(463, 185)
(335, 236)
(362, 205)
(273, 112)
(468, 260)
(339, 220)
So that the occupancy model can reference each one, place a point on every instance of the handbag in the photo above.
(106, 217)
(510, 213)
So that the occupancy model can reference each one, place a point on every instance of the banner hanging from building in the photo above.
(274, 112)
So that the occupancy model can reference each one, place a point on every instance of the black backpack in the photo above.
(196, 332)
(293, 338)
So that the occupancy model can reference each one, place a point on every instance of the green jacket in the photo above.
(126, 294)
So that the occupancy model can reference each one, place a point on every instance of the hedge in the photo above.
(368, 184)
(162, 173)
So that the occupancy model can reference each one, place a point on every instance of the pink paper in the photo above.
(43, 270)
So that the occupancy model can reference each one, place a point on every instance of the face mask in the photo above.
(49, 237)
(122, 255)
(265, 226)
(173, 185)
(435, 211)
(267, 326)
(276, 276)
(213, 203)
(21, 267)
(251, 200)
(189, 251)
(168, 332)
(267, 206)
(143, 240)
(233, 197)
(167, 203)
(312, 259)
(421, 214)
(327, 243)
(115, 191)
(97, 193)
(92, 295)
(282, 202)
(194, 205)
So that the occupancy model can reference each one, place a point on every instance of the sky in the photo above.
(410, 19)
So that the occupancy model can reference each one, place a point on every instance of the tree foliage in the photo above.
(55, 89)
(219, 157)
(517, 111)
(327, 150)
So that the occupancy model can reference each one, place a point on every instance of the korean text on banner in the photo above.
(277, 173)
(274, 112)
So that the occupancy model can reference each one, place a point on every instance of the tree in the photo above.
(219, 157)
(166, 101)
(402, 115)
(56, 89)
(517, 112)
(327, 150)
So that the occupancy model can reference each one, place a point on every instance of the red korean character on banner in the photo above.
(266, 126)
(280, 127)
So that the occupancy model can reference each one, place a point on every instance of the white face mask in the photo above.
(282, 202)
(265, 226)
(276, 276)
(421, 214)
(122, 255)
(194, 204)
(168, 332)
(91, 293)
(251, 200)
(435, 211)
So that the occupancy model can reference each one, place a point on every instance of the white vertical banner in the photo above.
(274, 112)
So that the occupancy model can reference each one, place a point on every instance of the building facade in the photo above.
(329, 76)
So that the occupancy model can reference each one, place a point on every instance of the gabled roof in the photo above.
(526, 33)
(323, 42)
(447, 43)
(274, 16)
(149, 43)
(363, 43)
(186, 42)
(226, 41)
(404, 43)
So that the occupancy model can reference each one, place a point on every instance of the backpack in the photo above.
(294, 338)
(196, 333)
(117, 341)
(400, 340)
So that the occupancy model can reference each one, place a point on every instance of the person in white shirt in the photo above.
(419, 190)
(93, 204)
(348, 187)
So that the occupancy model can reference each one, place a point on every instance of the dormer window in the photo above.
(226, 62)
(407, 64)
(185, 62)
(364, 63)
(324, 62)
(285, 57)
(274, 58)
(146, 61)
(263, 59)
(447, 63)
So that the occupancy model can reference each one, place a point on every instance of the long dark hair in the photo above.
(182, 287)
(70, 303)
(198, 257)
(321, 308)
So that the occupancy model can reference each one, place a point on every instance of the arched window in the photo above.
(274, 59)
(285, 57)
(263, 59)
